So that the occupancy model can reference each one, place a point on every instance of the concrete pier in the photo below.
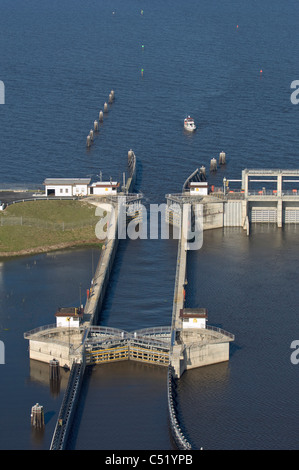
(194, 344)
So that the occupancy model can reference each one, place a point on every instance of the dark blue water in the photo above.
(59, 61)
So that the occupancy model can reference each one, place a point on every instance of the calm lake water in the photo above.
(59, 61)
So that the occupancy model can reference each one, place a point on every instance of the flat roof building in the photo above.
(66, 187)
(101, 188)
(69, 317)
(200, 188)
(194, 317)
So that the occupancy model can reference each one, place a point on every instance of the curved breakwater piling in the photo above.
(68, 407)
(131, 180)
(180, 440)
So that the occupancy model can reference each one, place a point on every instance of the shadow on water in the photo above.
(48, 416)
(119, 395)
(72, 440)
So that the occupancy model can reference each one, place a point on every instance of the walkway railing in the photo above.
(221, 331)
(38, 330)
(104, 344)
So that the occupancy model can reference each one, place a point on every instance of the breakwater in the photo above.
(180, 440)
(194, 344)
(68, 407)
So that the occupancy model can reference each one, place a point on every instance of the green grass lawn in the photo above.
(40, 225)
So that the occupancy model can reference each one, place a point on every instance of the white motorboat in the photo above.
(189, 124)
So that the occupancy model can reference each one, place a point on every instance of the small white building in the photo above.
(69, 317)
(194, 317)
(199, 188)
(102, 188)
(64, 187)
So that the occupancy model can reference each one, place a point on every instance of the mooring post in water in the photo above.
(91, 134)
(54, 374)
(37, 416)
(110, 99)
(88, 141)
(202, 171)
(222, 158)
(105, 107)
(96, 126)
(54, 369)
(101, 116)
(213, 164)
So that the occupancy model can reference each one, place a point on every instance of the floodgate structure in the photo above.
(77, 340)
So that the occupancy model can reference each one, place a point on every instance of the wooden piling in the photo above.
(202, 171)
(54, 370)
(96, 126)
(88, 141)
(101, 116)
(105, 107)
(37, 416)
(213, 164)
(222, 158)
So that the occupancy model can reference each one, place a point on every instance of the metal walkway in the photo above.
(104, 344)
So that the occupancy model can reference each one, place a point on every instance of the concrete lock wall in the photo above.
(202, 355)
(46, 351)
(212, 215)
(109, 256)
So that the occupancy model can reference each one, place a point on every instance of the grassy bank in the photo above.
(40, 226)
